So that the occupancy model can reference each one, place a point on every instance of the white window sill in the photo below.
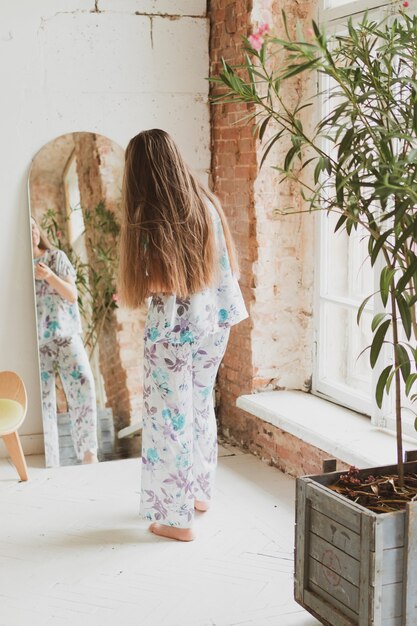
(343, 434)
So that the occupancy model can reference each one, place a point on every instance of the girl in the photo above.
(176, 250)
(61, 349)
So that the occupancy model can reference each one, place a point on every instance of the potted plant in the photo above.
(355, 542)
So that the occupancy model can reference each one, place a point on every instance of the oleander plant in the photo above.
(358, 161)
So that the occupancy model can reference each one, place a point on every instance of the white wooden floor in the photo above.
(74, 552)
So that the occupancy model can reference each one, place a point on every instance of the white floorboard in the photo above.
(74, 552)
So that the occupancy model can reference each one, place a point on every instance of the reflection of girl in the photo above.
(61, 350)
(176, 247)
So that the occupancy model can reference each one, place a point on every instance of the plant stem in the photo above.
(397, 377)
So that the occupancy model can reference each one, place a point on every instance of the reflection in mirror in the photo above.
(90, 351)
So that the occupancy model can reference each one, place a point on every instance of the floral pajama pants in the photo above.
(69, 358)
(179, 437)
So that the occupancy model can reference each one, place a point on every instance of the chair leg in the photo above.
(14, 448)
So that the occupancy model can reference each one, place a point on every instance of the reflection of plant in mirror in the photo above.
(96, 279)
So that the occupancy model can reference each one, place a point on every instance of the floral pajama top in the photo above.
(183, 320)
(57, 317)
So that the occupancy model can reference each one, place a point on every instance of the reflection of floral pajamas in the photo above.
(61, 350)
(185, 339)
(179, 447)
(69, 358)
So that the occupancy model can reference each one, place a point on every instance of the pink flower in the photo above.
(115, 297)
(406, 4)
(256, 42)
(59, 234)
(310, 32)
(263, 29)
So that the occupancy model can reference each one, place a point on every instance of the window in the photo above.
(344, 279)
(73, 202)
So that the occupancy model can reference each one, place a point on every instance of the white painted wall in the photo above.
(64, 66)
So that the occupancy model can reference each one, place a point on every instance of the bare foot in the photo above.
(171, 532)
(90, 457)
(201, 505)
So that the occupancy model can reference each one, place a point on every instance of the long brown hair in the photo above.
(167, 242)
(44, 243)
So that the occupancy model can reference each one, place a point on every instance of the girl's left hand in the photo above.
(42, 271)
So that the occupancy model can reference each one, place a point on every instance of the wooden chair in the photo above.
(13, 406)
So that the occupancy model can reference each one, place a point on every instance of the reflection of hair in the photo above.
(167, 238)
(44, 243)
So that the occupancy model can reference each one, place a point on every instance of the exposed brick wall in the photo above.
(273, 349)
(234, 168)
(277, 447)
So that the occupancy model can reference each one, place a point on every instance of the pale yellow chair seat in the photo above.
(11, 415)
(13, 406)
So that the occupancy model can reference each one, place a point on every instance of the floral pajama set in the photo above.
(61, 350)
(185, 340)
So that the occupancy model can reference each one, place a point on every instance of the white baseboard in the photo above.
(31, 444)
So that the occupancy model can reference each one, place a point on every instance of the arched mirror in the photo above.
(90, 350)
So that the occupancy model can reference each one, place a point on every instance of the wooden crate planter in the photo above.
(354, 567)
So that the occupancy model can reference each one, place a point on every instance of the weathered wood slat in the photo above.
(410, 455)
(329, 465)
(392, 621)
(343, 609)
(392, 600)
(334, 506)
(339, 562)
(392, 565)
(329, 613)
(409, 600)
(367, 540)
(340, 536)
(393, 525)
(376, 572)
(341, 589)
(301, 524)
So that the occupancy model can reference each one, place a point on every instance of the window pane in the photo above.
(348, 272)
(72, 192)
(342, 363)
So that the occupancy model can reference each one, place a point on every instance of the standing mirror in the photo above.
(90, 350)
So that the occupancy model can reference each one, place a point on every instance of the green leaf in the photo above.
(405, 313)
(271, 142)
(403, 361)
(346, 141)
(263, 126)
(378, 245)
(361, 308)
(379, 393)
(412, 156)
(342, 219)
(377, 320)
(293, 70)
(387, 276)
(407, 276)
(390, 379)
(377, 342)
(290, 156)
(409, 383)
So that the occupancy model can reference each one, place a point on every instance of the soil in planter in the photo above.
(380, 494)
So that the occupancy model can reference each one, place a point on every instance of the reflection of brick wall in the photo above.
(99, 169)
(121, 351)
(273, 349)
